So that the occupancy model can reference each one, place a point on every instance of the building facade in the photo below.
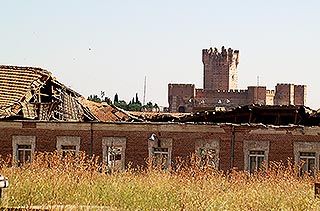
(220, 87)
(244, 147)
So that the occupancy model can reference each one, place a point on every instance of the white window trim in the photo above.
(209, 144)
(68, 141)
(164, 143)
(255, 146)
(115, 142)
(22, 140)
(306, 147)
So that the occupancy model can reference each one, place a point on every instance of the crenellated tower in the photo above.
(220, 69)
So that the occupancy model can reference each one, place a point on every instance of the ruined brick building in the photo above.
(40, 114)
(220, 87)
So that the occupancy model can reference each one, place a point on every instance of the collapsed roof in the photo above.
(33, 93)
(264, 114)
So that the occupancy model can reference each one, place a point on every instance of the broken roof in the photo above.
(265, 114)
(108, 113)
(33, 93)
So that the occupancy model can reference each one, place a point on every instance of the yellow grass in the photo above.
(51, 180)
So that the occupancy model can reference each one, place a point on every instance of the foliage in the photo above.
(133, 105)
(94, 98)
(53, 180)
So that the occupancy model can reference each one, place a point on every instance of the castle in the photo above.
(220, 84)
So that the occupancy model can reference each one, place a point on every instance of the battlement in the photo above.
(181, 85)
(223, 55)
(300, 86)
(270, 92)
(232, 91)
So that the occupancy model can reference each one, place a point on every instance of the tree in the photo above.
(94, 98)
(116, 99)
(137, 99)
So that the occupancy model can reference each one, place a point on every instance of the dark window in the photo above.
(181, 109)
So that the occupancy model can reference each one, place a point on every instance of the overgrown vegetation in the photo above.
(53, 180)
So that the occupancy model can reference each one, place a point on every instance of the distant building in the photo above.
(220, 87)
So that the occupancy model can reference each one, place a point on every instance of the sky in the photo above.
(111, 46)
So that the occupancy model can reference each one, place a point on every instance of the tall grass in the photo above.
(53, 180)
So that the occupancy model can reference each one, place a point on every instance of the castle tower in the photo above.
(220, 69)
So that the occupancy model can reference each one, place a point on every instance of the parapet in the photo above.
(223, 55)
(181, 85)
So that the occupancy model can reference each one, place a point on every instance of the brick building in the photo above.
(39, 114)
(244, 147)
(220, 87)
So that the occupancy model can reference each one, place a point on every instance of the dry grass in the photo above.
(51, 180)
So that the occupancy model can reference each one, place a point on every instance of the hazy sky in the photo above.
(111, 46)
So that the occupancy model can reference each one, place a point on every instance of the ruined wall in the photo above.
(181, 97)
(220, 69)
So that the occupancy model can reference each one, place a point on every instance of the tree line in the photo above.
(133, 105)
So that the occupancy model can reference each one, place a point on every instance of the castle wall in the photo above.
(284, 94)
(270, 97)
(300, 94)
(256, 95)
(181, 97)
(220, 98)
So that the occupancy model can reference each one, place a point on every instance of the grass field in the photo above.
(51, 180)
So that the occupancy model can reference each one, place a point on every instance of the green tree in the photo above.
(94, 98)
(116, 98)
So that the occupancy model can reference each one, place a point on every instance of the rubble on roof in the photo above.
(33, 93)
(158, 116)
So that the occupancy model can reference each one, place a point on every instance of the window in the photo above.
(23, 149)
(68, 150)
(161, 157)
(306, 156)
(255, 155)
(23, 154)
(113, 152)
(256, 159)
(308, 162)
(68, 145)
(208, 152)
(160, 150)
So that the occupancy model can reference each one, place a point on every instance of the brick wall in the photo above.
(231, 138)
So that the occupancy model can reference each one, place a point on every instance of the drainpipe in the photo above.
(91, 139)
(233, 137)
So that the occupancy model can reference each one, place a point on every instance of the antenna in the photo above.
(144, 90)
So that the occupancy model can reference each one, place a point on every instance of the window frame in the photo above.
(204, 145)
(305, 147)
(164, 143)
(22, 141)
(255, 146)
(68, 141)
(114, 142)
